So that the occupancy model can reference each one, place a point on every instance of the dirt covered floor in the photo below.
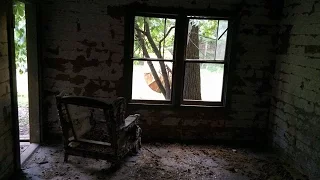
(162, 161)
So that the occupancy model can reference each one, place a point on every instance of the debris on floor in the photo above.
(24, 146)
(161, 161)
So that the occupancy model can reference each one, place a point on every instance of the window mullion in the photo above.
(178, 72)
(128, 49)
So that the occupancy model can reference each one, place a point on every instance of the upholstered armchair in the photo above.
(97, 129)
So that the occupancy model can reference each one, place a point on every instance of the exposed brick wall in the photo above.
(83, 54)
(6, 139)
(295, 110)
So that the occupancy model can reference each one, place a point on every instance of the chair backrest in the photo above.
(78, 115)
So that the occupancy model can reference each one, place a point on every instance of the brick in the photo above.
(171, 121)
(4, 88)
(317, 110)
(4, 49)
(312, 49)
(6, 150)
(3, 27)
(4, 63)
(303, 147)
(300, 60)
(309, 95)
(305, 39)
(313, 85)
(9, 169)
(301, 136)
(4, 75)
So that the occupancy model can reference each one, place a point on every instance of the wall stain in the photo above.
(87, 43)
(91, 88)
(56, 63)
(62, 77)
(88, 52)
(81, 62)
(79, 79)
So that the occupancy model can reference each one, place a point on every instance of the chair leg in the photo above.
(66, 157)
(139, 143)
(137, 146)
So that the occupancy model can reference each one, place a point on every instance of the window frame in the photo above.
(132, 58)
(179, 60)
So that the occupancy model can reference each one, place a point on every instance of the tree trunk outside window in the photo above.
(192, 86)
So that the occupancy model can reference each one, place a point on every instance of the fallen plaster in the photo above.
(162, 161)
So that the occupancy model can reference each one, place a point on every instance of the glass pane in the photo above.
(151, 80)
(222, 42)
(202, 38)
(154, 37)
(203, 81)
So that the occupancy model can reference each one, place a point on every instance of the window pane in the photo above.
(222, 42)
(154, 37)
(202, 38)
(144, 81)
(203, 81)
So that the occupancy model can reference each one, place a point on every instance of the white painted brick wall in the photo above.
(296, 87)
(6, 139)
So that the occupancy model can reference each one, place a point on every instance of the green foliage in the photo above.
(162, 33)
(163, 30)
(20, 37)
(207, 37)
(154, 38)
(140, 63)
(214, 68)
(207, 29)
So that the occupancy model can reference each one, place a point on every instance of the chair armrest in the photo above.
(130, 121)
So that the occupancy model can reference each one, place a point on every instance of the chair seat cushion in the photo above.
(98, 133)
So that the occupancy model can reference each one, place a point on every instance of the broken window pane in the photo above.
(222, 42)
(153, 59)
(202, 39)
(151, 80)
(154, 37)
(203, 82)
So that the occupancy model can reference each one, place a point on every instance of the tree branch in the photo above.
(165, 36)
(153, 71)
(169, 69)
(141, 31)
(149, 37)
(158, 54)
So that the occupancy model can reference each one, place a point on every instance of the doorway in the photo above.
(26, 72)
(20, 44)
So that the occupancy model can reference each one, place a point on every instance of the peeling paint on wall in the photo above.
(84, 55)
(294, 113)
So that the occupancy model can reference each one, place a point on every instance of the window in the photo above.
(153, 58)
(176, 59)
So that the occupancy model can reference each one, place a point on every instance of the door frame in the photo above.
(34, 71)
(33, 45)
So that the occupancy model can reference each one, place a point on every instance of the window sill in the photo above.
(136, 105)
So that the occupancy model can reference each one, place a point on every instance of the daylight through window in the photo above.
(154, 59)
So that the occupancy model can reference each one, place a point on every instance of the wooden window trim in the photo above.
(179, 60)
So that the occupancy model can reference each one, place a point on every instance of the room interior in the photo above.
(268, 89)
